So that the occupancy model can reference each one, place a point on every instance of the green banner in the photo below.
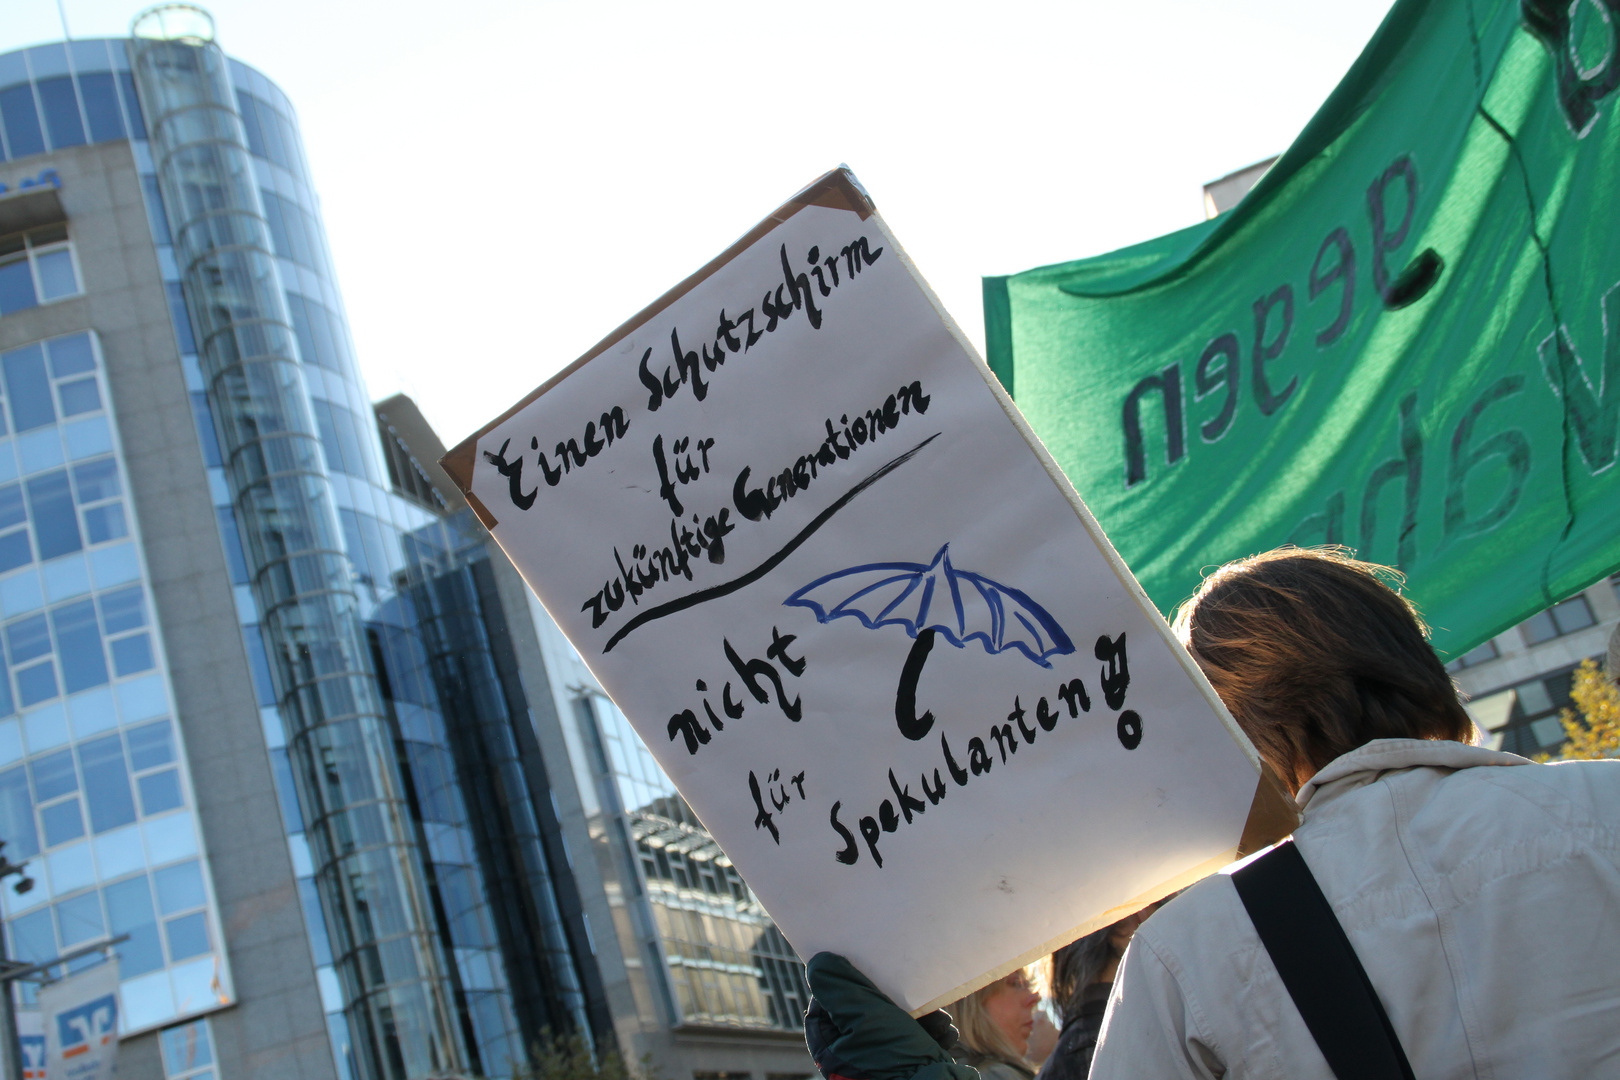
(1406, 338)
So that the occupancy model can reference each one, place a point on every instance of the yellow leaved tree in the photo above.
(1595, 732)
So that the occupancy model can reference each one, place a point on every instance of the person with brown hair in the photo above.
(1082, 976)
(1473, 896)
(1438, 858)
(993, 1025)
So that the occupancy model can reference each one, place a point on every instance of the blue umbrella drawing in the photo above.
(955, 604)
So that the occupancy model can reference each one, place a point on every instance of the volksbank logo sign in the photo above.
(90, 1026)
(80, 1018)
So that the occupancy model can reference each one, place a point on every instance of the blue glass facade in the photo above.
(714, 956)
(94, 789)
(57, 96)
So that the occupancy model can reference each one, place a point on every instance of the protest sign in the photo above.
(80, 1016)
(1405, 339)
(807, 544)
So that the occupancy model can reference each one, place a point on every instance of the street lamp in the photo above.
(10, 1045)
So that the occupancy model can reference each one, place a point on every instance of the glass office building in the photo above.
(717, 957)
(339, 894)
(94, 791)
(273, 705)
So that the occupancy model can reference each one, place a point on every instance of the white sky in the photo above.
(504, 182)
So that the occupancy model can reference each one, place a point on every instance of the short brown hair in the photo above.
(1315, 654)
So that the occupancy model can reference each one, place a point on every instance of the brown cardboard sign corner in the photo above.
(459, 462)
(1273, 815)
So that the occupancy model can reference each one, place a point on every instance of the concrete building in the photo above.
(1223, 194)
(272, 705)
(1518, 682)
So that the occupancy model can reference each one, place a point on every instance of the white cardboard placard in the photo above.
(808, 545)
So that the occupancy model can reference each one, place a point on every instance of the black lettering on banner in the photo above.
(850, 853)
(912, 726)
(1592, 404)
(1385, 239)
(1129, 729)
(1421, 274)
(959, 774)
(857, 256)
(513, 471)
(1264, 351)
(754, 501)
(795, 293)
(1344, 270)
(655, 388)
(1017, 717)
(1116, 677)
(1391, 200)
(685, 723)
(799, 294)
(778, 651)
(756, 676)
(869, 832)
(1044, 715)
(1168, 384)
(1074, 696)
(686, 364)
(1583, 51)
(978, 756)
(909, 804)
(666, 486)
(1510, 445)
(752, 671)
(1003, 734)
(763, 818)
(702, 596)
(1007, 736)
(1209, 378)
(1326, 527)
(1408, 466)
(599, 435)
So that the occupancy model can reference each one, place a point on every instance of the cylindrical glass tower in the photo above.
(397, 995)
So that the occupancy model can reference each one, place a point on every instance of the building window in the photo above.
(188, 1052)
(77, 662)
(152, 760)
(53, 97)
(321, 338)
(405, 473)
(294, 233)
(1474, 657)
(270, 135)
(1534, 726)
(341, 439)
(36, 268)
(1560, 619)
(182, 901)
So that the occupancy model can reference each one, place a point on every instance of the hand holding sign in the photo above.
(805, 541)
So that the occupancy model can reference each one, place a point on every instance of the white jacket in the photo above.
(1480, 890)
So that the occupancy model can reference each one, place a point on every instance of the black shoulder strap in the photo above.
(1319, 967)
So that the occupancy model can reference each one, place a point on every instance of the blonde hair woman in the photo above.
(993, 1026)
